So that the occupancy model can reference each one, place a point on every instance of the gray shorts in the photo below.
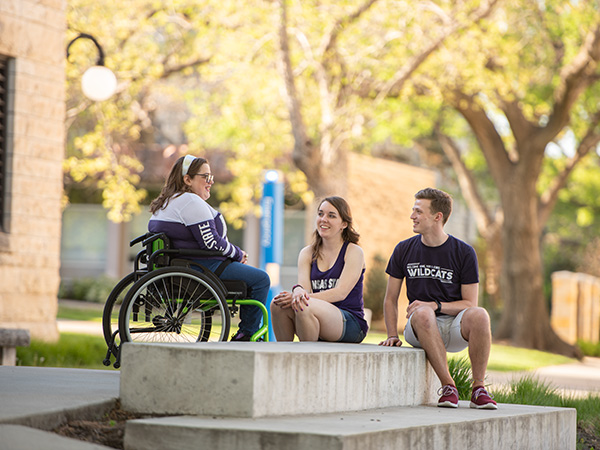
(449, 327)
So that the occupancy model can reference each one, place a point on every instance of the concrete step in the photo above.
(261, 379)
(415, 428)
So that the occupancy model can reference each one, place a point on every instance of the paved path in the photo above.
(80, 327)
(578, 378)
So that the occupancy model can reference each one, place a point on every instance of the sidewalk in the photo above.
(41, 398)
(578, 378)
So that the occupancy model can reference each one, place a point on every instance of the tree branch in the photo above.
(574, 79)
(393, 87)
(521, 128)
(168, 71)
(489, 139)
(549, 198)
(467, 183)
(302, 146)
(330, 38)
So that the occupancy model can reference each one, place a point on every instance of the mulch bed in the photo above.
(587, 438)
(108, 431)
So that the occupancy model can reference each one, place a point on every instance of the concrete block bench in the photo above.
(263, 379)
(10, 339)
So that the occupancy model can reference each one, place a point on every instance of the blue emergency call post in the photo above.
(271, 234)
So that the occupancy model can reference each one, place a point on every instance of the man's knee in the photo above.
(477, 320)
(476, 316)
(423, 317)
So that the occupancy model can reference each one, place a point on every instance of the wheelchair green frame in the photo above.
(157, 254)
(159, 248)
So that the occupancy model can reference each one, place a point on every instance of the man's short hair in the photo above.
(440, 201)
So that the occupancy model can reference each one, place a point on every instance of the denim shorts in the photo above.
(352, 332)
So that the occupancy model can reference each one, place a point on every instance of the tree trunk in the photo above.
(525, 321)
(492, 262)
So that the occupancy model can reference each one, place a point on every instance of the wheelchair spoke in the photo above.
(174, 305)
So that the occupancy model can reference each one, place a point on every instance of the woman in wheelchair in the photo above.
(182, 213)
(327, 303)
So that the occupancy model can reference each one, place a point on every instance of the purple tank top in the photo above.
(353, 303)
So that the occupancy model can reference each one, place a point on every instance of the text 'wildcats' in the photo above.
(416, 270)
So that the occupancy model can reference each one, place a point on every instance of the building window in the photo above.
(5, 92)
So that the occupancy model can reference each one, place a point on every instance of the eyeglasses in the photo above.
(209, 177)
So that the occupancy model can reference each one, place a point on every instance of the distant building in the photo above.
(32, 143)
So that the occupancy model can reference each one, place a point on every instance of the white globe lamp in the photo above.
(98, 83)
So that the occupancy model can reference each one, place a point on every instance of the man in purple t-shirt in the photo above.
(442, 284)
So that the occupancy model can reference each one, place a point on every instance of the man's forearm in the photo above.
(390, 317)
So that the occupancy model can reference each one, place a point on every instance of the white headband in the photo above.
(187, 161)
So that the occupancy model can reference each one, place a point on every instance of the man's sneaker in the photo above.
(480, 399)
(240, 336)
(449, 396)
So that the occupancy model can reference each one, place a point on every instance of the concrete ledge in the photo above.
(416, 428)
(10, 339)
(263, 379)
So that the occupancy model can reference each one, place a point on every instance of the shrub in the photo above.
(90, 289)
(71, 350)
(460, 370)
(375, 285)
(589, 348)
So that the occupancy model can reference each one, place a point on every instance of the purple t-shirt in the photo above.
(434, 273)
(353, 303)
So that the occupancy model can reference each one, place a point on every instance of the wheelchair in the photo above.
(165, 300)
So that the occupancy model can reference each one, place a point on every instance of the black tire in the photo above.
(110, 315)
(174, 304)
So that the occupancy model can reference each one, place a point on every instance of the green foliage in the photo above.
(506, 358)
(71, 350)
(531, 391)
(86, 314)
(528, 391)
(375, 286)
(589, 348)
(460, 370)
(90, 289)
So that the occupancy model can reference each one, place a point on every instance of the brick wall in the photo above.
(32, 33)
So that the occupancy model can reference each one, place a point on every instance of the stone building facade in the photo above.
(32, 85)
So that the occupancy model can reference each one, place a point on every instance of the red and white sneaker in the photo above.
(449, 396)
(480, 399)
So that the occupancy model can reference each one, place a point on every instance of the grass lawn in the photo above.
(77, 351)
(92, 314)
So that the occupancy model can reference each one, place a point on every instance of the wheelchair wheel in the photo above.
(110, 315)
(174, 304)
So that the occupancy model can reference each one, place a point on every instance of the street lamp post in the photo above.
(271, 235)
(98, 83)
